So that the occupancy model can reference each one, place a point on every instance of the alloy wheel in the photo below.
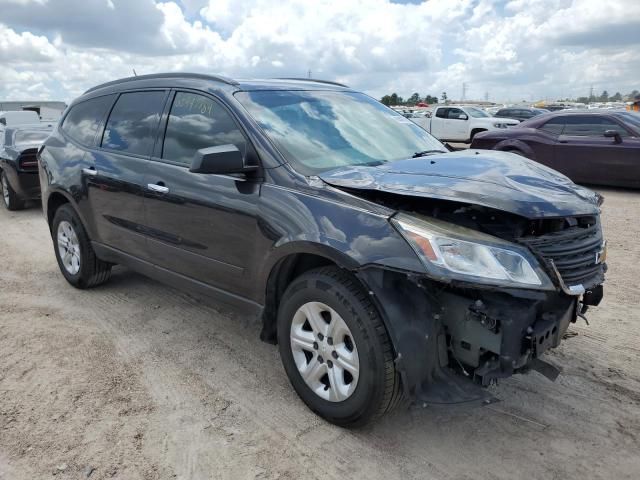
(69, 247)
(324, 351)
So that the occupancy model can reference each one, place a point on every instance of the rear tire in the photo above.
(76, 258)
(10, 198)
(350, 376)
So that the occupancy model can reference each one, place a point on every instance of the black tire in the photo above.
(378, 389)
(474, 132)
(92, 271)
(10, 200)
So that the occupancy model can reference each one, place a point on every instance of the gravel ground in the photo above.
(135, 380)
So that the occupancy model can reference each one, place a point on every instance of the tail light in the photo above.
(28, 161)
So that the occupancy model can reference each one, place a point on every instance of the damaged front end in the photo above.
(499, 292)
(513, 252)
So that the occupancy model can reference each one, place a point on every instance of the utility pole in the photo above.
(309, 74)
(590, 94)
(464, 91)
(486, 96)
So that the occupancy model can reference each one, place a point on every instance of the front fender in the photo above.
(513, 143)
(294, 221)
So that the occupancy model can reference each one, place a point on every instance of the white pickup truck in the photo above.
(459, 123)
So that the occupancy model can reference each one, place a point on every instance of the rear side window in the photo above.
(83, 120)
(591, 126)
(442, 112)
(197, 122)
(554, 126)
(455, 113)
(132, 124)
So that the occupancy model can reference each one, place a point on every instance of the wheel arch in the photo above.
(291, 261)
(510, 145)
(55, 200)
(475, 131)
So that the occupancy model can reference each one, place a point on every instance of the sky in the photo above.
(508, 50)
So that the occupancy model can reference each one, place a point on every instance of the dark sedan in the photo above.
(595, 147)
(520, 113)
(19, 181)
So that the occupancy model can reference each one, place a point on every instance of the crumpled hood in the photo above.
(493, 179)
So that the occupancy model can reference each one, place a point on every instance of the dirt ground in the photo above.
(135, 380)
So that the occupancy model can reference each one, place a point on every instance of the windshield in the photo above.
(318, 130)
(29, 138)
(477, 113)
(632, 118)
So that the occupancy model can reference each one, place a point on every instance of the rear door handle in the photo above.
(154, 187)
(91, 171)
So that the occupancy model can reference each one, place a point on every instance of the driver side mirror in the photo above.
(221, 160)
(613, 134)
(463, 116)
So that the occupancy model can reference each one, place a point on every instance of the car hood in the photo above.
(499, 180)
(509, 121)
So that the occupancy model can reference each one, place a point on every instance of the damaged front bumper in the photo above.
(451, 340)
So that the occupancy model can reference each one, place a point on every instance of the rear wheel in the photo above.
(76, 258)
(335, 349)
(10, 198)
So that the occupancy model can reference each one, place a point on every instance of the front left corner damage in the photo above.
(451, 341)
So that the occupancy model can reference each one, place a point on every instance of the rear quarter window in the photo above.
(442, 112)
(554, 126)
(83, 120)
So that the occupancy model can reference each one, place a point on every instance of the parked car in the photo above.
(593, 147)
(460, 123)
(382, 266)
(18, 165)
(520, 113)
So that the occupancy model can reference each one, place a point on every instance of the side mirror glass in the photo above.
(613, 134)
(224, 159)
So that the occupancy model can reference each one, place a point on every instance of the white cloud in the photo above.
(519, 49)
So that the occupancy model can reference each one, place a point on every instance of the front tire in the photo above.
(76, 258)
(335, 348)
(10, 198)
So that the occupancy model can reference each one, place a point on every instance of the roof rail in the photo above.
(202, 76)
(328, 82)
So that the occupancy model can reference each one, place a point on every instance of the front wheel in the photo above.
(10, 198)
(76, 258)
(335, 348)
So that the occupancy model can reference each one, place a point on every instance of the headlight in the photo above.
(449, 251)
(500, 125)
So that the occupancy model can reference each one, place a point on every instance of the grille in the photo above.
(574, 251)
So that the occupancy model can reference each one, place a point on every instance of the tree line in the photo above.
(413, 100)
(605, 97)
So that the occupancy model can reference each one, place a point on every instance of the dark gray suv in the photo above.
(383, 266)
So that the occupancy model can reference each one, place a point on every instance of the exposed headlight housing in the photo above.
(449, 251)
(500, 125)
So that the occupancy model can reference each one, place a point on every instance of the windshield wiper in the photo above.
(424, 153)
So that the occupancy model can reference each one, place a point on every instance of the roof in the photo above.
(249, 84)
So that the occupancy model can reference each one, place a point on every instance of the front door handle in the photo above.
(154, 187)
(91, 171)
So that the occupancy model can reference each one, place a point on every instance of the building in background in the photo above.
(49, 111)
